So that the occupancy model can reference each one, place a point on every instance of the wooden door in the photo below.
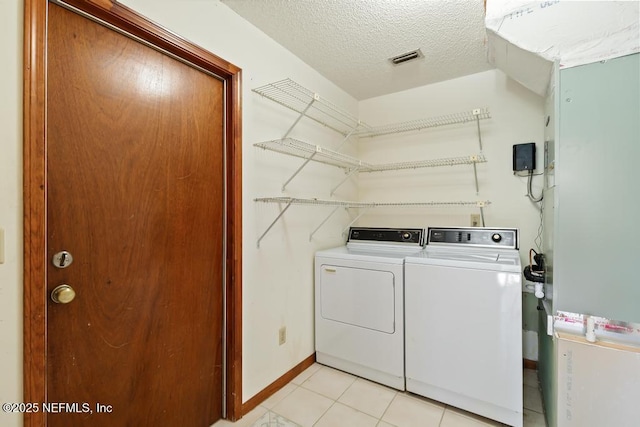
(135, 194)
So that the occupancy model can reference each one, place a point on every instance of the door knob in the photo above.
(63, 294)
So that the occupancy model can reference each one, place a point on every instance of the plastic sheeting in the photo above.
(525, 38)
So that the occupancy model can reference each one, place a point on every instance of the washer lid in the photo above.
(498, 260)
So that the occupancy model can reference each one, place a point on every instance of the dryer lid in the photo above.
(370, 253)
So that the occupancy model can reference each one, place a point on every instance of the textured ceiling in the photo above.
(350, 41)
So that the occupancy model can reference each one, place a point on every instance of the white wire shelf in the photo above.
(304, 101)
(312, 202)
(414, 125)
(310, 152)
(309, 104)
(449, 161)
(348, 204)
(337, 204)
(304, 150)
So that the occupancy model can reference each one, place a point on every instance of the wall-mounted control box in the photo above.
(524, 157)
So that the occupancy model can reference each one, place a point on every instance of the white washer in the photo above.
(463, 321)
(359, 303)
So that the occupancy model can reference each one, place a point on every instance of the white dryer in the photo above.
(359, 303)
(463, 321)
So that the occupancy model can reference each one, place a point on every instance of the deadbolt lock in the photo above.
(62, 259)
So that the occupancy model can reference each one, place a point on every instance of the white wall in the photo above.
(278, 277)
(517, 117)
(11, 207)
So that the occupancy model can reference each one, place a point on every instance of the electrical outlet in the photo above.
(475, 220)
(282, 335)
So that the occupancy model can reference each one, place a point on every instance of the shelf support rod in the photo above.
(274, 222)
(346, 138)
(304, 113)
(475, 174)
(364, 210)
(482, 215)
(298, 171)
(323, 222)
(478, 125)
(344, 180)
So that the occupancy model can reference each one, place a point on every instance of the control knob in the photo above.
(406, 235)
(496, 237)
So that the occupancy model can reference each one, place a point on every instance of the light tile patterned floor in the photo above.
(325, 397)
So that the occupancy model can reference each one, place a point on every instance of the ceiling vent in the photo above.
(406, 57)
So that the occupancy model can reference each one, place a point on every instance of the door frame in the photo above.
(35, 179)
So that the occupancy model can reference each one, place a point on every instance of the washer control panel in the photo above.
(413, 236)
(474, 236)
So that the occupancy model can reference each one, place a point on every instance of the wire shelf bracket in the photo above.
(347, 136)
(324, 222)
(478, 113)
(362, 212)
(274, 222)
(349, 175)
(306, 162)
(302, 114)
(474, 159)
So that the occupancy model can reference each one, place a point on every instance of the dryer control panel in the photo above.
(413, 236)
(506, 238)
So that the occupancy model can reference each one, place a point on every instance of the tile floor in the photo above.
(325, 397)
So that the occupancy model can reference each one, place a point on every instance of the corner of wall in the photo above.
(11, 354)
